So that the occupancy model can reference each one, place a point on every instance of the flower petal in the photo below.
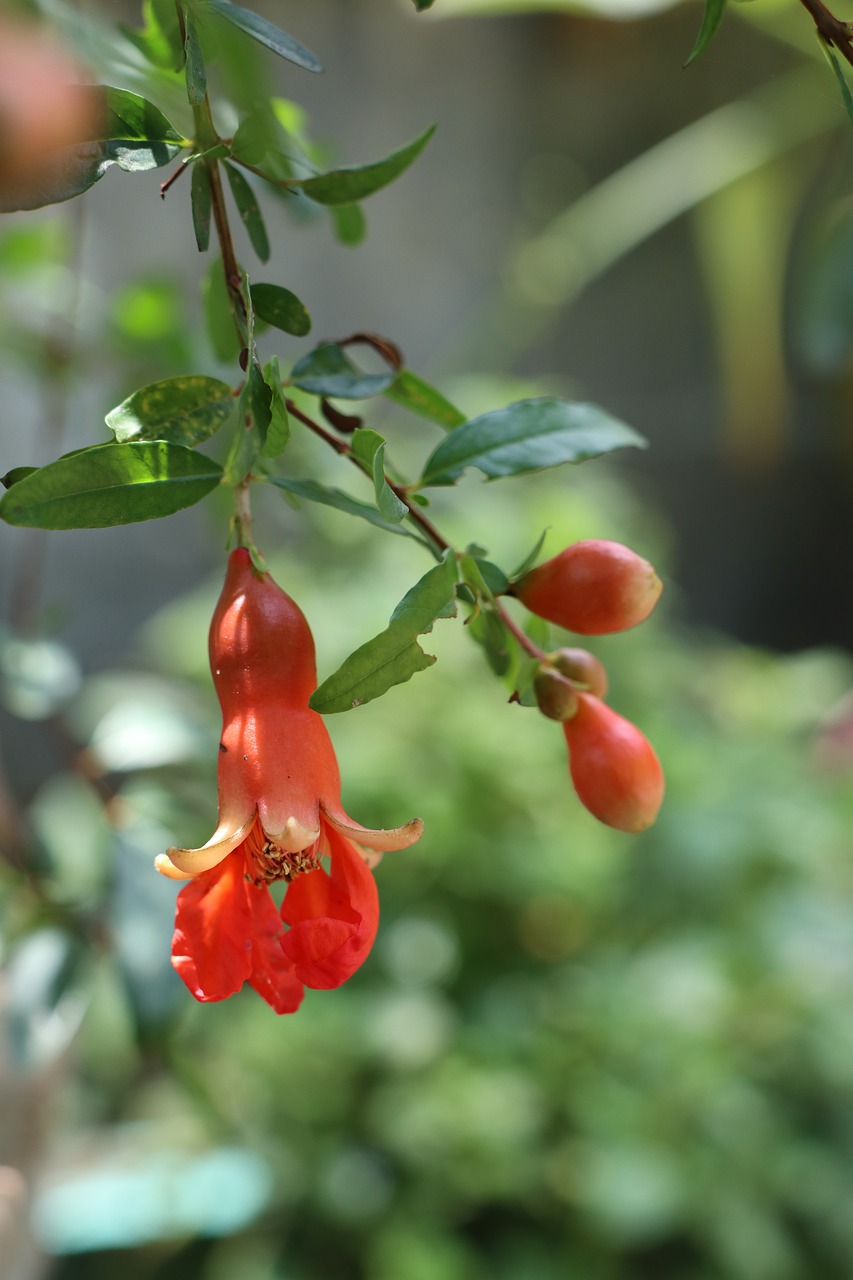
(381, 841)
(211, 946)
(193, 862)
(272, 975)
(333, 918)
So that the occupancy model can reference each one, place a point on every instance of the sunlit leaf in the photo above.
(183, 410)
(529, 435)
(110, 484)
(393, 656)
(344, 186)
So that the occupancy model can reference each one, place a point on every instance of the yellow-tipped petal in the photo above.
(167, 869)
(379, 841)
(191, 862)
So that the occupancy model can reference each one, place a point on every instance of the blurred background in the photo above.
(572, 1055)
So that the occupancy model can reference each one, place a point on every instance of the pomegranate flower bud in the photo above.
(555, 695)
(614, 768)
(280, 818)
(592, 588)
(582, 668)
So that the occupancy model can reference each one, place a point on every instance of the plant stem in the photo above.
(831, 29)
(417, 516)
(524, 640)
(243, 514)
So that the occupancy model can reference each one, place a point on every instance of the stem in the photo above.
(524, 640)
(243, 514)
(206, 138)
(833, 31)
(340, 446)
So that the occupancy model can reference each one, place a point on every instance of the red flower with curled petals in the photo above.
(280, 818)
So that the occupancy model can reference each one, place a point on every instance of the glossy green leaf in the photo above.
(349, 223)
(111, 484)
(328, 371)
(416, 395)
(281, 308)
(201, 201)
(344, 186)
(265, 32)
(249, 210)
(369, 447)
(196, 75)
(278, 430)
(529, 435)
(711, 19)
(394, 655)
(137, 135)
(341, 501)
(183, 410)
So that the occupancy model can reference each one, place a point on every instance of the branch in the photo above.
(831, 29)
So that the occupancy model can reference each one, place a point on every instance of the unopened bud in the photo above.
(555, 695)
(592, 588)
(582, 668)
(614, 768)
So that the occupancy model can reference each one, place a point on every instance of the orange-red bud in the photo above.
(555, 695)
(582, 668)
(614, 768)
(592, 588)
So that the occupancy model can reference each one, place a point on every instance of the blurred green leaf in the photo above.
(393, 656)
(278, 430)
(221, 328)
(328, 371)
(196, 74)
(265, 32)
(416, 395)
(529, 435)
(279, 307)
(349, 223)
(201, 199)
(832, 59)
(711, 18)
(110, 484)
(345, 186)
(249, 210)
(183, 410)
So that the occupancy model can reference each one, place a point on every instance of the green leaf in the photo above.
(265, 33)
(416, 395)
(221, 329)
(344, 186)
(328, 497)
(133, 134)
(201, 201)
(196, 75)
(278, 431)
(281, 308)
(15, 475)
(420, 5)
(711, 19)
(529, 435)
(159, 40)
(258, 398)
(349, 223)
(846, 95)
(110, 484)
(328, 371)
(250, 213)
(184, 410)
(369, 447)
(487, 629)
(394, 655)
(529, 560)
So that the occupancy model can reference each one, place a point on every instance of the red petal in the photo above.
(272, 973)
(333, 919)
(212, 946)
(226, 932)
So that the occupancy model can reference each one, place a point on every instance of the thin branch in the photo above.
(835, 32)
(524, 640)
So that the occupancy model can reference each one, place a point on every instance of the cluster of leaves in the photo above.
(153, 466)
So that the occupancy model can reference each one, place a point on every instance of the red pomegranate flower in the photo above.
(280, 818)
